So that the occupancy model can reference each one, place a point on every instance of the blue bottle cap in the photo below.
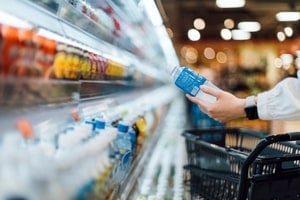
(122, 127)
(92, 122)
(100, 124)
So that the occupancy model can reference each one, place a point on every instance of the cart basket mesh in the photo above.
(216, 157)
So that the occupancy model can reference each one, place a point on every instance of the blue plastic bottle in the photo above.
(189, 82)
(124, 148)
(133, 139)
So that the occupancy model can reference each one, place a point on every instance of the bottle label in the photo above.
(189, 81)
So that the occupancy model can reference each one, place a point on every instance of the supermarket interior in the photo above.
(93, 104)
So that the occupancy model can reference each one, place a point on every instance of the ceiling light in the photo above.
(297, 63)
(286, 16)
(288, 31)
(221, 57)
(191, 55)
(199, 23)
(230, 3)
(209, 53)
(298, 53)
(287, 60)
(226, 34)
(229, 23)
(250, 26)
(238, 34)
(278, 62)
(280, 36)
(194, 35)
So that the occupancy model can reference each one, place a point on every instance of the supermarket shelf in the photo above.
(24, 93)
(166, 141)
(139, 99)
(78, 30)
(27, 93)
(52, 106)
(54, 118)
(60, 92)
(61, 114)
(65, 21)
(129, 184)
(38, 100)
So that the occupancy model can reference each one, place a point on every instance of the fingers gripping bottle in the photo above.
(189, 82)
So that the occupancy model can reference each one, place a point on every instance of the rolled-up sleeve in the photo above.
(282, 102)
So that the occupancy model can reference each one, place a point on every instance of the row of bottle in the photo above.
(163, 178)
(88, 160)
(26, 53)
(111, 16)
(122, 151)
(103, 14)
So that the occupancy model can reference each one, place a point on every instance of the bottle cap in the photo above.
(122, 127)
(100, 124)
(92, 122)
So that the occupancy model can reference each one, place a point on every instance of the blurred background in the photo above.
(251, 44)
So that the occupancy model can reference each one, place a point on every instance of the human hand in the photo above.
(226, 108)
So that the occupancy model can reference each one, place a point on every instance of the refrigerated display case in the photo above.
(75, 77)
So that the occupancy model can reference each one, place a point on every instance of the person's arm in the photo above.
(280, 103)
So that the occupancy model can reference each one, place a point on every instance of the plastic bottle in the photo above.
(104, 182)
(95, 166)
(124, 146)
(24, 65)
(131, 119)
(133, 138)
(189, 82)
(10, 48)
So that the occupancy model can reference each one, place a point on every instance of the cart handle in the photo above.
(292, 136)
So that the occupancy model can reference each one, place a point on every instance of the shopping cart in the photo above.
(239, 164)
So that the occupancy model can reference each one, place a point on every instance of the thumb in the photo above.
(212, 91)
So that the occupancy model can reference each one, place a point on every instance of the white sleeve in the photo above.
(282, 102)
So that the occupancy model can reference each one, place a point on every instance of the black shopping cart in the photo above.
(239, 164)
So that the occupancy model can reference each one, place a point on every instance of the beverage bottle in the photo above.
(189, 82)
(10, 48)
(124, 147)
